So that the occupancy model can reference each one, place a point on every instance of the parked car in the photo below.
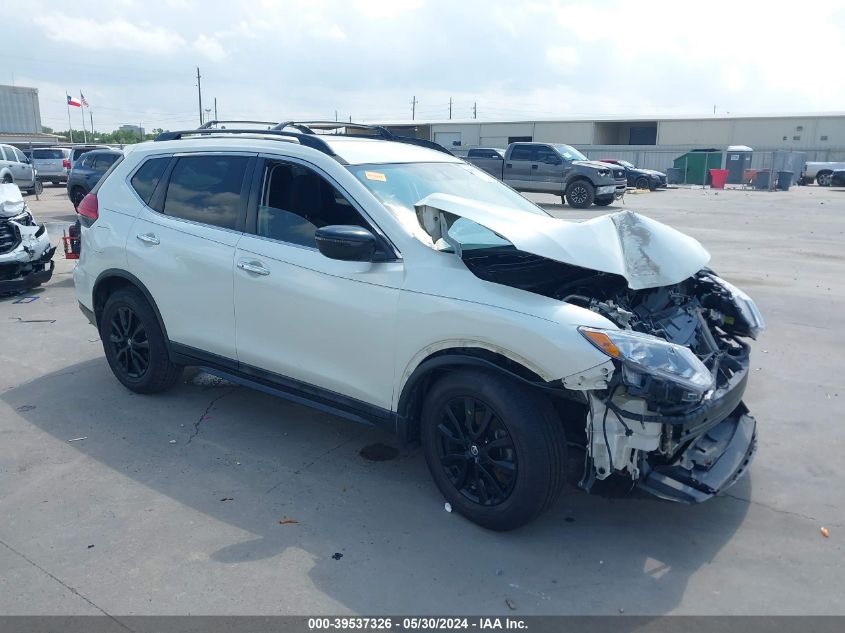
(557, 169)
(87, 170)
(52, 163)
(401, 287)
(639, 178)
(17, 169)
(486, 152)
(821, 172)
(26, 256)
(79, 150)
(838, 178)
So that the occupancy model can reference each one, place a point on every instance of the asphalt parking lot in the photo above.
(216, 499)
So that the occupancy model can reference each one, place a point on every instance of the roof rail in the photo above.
(310, 140)
(211, 124)
(309, 127)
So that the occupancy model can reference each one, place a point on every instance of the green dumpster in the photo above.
(696, 165)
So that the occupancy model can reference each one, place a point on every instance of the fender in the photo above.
(117, 273)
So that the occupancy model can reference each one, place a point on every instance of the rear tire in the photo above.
(580, 194)
(642, 183)
(499, 457)
(824, 178)
(134, 344)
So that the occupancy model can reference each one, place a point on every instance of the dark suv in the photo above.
(87, 170)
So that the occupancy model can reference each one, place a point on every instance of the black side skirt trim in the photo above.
(285, 387)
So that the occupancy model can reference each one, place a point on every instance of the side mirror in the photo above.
(346, 243)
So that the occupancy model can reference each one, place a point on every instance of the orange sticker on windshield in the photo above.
(375, 175)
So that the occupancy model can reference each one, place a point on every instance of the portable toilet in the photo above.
(737, 160)
(696, 165)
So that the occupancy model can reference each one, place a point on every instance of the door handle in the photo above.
(534, 166)
(148, 238)
(508, 165)
(253, 267)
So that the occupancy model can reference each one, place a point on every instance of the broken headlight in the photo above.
(745, 306)
(642, 355)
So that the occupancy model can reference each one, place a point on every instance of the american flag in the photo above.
(83, 99)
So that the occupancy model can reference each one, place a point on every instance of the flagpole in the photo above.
(82, 114)
(91, 116)
(69, 124)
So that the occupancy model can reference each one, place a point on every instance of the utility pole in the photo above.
(475, 110)
(91, 116)
(335, 115)
(199, 92)
(450, 107)
(215, 108)
(414, 107)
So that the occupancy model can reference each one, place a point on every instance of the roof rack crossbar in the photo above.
(308, 127)
(309, 140)
(211, 124)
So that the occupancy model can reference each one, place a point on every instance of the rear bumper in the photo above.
(711, 463)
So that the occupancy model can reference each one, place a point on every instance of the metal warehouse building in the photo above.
(648, 141)
(20, 117)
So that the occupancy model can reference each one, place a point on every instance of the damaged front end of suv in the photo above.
(26, 256)
(665, 409)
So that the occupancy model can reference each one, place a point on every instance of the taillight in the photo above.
(66, 163)
(88, 209)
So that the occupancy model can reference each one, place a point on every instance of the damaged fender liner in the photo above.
(710, 464)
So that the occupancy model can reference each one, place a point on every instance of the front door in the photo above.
(302, 316)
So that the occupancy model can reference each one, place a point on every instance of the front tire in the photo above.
(824, 178)
(580, 194)
(495, 449)
(134, 344)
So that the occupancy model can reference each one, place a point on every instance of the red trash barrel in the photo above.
(718, 178)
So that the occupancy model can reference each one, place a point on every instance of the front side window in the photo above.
(522, 152)
(103, 161)
(206, 189)
(546, 155)
(19, 155)
(296, 201)
(145, 180)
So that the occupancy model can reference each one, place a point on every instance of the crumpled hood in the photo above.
(11, 200)
(647, 253)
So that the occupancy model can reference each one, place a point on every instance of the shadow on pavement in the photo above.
(270, 460)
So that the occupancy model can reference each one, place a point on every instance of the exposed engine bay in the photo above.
(26, 256)
(671, 421)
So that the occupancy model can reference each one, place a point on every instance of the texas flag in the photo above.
(73, 101)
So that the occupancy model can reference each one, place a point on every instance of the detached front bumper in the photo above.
(710, 464)
(19, 276)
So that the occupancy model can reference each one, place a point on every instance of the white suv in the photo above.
(401, 287)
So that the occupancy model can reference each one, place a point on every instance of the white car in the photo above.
(401, 287)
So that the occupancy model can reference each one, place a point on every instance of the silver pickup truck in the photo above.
(553, 168)
(821, 172)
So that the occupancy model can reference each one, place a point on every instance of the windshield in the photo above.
(400, 186)
(569, 152)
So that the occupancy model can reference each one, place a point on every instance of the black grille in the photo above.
(619, 173)
(9, 237)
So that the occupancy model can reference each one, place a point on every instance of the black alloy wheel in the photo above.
(476, 451)
(128, 339)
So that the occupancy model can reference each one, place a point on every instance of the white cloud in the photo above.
(107, 34)
(564, 58)
(386, 9)
(210, 47)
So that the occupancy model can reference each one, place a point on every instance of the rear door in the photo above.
(182, 245)
(518, 167)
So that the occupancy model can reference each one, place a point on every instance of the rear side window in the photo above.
(206, 189)
(48, 154)
(145, 180)
(103, 161)
(522, 152)
(9, 154)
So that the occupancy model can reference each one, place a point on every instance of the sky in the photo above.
(135, 60)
